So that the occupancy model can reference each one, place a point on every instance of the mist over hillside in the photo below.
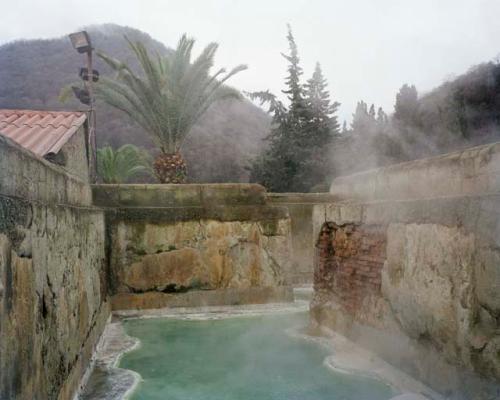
(32, 73)
(460, 113)
(464, 110)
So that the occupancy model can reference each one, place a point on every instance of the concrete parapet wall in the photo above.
(465, 173)
(191, 195)
(27, 176)
(429, 300)
(300, 198)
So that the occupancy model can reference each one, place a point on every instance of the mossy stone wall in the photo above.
(53, 286)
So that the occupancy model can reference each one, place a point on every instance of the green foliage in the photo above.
(172, 93)
(322, 112)
(230, 131)
(406, 109)
(295, 90)
(122, 165)
(463, 111)
(297, 158)
(369, 142)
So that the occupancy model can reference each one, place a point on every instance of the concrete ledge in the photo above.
(191, 195)
(300, 198)
(178, 214)
(201, 298)
(470, 172)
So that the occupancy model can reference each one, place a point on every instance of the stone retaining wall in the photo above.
(52, 284)
(429, 232)
(150, 245)
(167, 240)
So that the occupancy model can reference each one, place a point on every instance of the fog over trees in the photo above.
(460, 113)
(296, 158)
(219, 147)
(298, 146)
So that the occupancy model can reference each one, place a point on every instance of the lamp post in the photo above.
(81, 43)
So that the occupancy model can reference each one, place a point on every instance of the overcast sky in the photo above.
(367, 48)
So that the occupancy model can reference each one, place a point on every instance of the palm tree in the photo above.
(168, 98)
(119, 166)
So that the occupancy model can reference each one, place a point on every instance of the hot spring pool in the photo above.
(238, 358)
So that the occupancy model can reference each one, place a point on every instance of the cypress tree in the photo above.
(382, 118)
(406, 113)
(360, 118)
(371, 113)
(323, 122)
(295, 90)
(406, 108)
(296, 156)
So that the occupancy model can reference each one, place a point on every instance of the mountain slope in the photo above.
(465, 110)
(33, 72)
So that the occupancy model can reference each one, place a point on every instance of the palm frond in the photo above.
(123, 164)
(172, 92)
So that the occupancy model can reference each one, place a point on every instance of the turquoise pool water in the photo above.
(241, 358)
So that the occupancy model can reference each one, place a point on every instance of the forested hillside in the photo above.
(466, 108)
(33, 72)
(460, 113)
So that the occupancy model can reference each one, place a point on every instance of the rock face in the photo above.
(174, 270)
(166, 239)
(52, 285)
(436, 311)
(207, 254)
(428, 280)
(429, 315)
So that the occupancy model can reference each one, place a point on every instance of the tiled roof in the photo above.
(41, 132)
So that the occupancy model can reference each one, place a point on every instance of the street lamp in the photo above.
(81, 43)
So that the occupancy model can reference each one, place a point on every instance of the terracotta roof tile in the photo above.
(41, 132)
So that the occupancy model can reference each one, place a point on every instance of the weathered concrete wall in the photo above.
(190, 195)
(300, 207)
(417, 278)
(25, 176)
(464, 173)
(171, 239)
(74, 153)
(52, 287)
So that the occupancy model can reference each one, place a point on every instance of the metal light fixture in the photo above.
(84, 74)
(81, 41)
(81, 94)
